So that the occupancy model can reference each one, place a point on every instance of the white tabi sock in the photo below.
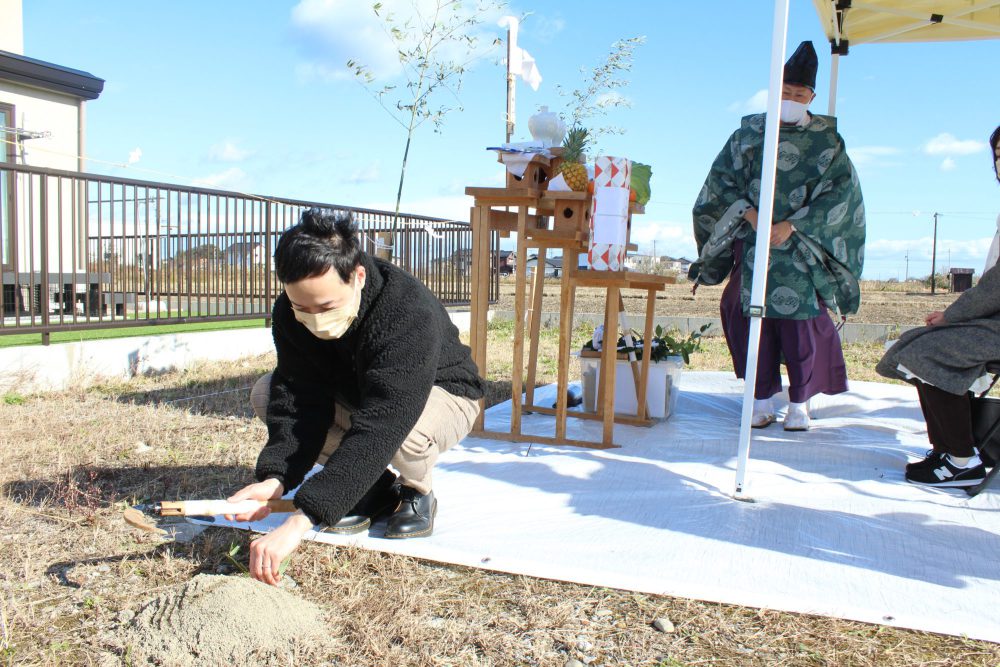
(802, 408)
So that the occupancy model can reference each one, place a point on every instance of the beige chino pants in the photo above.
(446, 419)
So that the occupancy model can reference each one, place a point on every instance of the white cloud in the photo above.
(228, 151)
(863, 156)
(921, 248)
(672, 238)
(613, 99)
(757, 103)
(948, 144)
(331, 32)
(540, 28)
(948, 164)
(367, 174)
(233, 178)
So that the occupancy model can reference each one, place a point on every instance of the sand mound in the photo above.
(219, 620)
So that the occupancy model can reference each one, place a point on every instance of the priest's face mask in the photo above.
(325, 304)
(795, 100)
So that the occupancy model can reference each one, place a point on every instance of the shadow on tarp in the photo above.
(650, 494)
(636, 484)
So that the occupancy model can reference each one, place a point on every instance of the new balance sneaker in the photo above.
(949, 474)
(931, 460)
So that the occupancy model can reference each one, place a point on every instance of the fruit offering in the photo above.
(574, 169)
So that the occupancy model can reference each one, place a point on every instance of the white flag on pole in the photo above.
(521, 62)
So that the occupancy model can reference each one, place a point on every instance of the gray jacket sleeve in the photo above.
(980, 302)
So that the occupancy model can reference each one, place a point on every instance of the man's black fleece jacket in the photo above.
(401, 345)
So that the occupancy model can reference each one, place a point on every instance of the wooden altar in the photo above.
(544, 220)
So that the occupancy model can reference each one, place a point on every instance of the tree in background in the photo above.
(602, 89)
(435, 42)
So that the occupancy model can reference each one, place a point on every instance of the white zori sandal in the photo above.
(797, 418)
(763, 414)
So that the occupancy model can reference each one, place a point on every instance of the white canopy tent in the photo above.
(849, 23)
(846, 23)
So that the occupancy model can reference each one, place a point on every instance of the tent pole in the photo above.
(510, 84)
(779, 36)
(834, 72)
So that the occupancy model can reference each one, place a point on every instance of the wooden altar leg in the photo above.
(534, 325)
(479, 297)
(519, 307)
(609, 358)
(647, 351)
(567, 300)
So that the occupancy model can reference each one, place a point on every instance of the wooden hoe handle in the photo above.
(216, 507)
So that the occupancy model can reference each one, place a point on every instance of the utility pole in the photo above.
(907, 264)
(934, 256)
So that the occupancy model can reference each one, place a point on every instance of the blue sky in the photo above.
(253, 96)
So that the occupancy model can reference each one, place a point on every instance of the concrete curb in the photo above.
(39, 368)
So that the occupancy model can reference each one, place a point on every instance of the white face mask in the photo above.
(332, 323)
(792, 112)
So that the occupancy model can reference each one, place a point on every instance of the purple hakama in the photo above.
(811, 348)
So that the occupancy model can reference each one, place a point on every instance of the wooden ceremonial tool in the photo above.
(140, 516)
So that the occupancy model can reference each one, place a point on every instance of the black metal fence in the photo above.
(84, 251)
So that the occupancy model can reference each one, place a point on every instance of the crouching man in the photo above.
(370, 372)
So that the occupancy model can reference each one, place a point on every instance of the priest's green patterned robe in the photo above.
(816, 190)
(818, 267)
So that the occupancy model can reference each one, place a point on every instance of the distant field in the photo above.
(881, 303)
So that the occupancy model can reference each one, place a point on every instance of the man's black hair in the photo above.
(321, 240)
(994, 141)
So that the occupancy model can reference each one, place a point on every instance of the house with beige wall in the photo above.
(42, 124)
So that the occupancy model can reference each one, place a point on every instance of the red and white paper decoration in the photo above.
(609, 213)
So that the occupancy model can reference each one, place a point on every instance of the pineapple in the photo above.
(574, 169)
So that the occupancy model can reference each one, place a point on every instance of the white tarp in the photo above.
(834, 529)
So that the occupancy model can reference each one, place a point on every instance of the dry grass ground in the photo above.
(71, 571)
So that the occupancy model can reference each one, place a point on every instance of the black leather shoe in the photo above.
(415, 515)
(379, 501)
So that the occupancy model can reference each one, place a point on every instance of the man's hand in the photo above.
(781, 232)
(751, 217)
(266, 490)
(934, 319)
(268, 551)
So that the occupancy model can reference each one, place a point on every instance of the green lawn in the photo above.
(15, 340)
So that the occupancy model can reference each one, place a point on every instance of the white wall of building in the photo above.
(11, 27)
(38, 110)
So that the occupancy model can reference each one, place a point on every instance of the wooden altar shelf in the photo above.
(544, 220)
(538, 172)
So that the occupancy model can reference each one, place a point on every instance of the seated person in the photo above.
(946, 361)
